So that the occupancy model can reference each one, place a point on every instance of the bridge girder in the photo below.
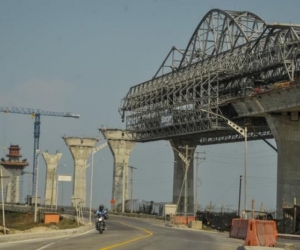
(228, 52)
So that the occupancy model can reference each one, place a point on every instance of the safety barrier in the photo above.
(243, 229)
(254, 232)
(183, 220)
(239, 228)
(266, 232)
(252, 237)
(189, 219)
(235, 225)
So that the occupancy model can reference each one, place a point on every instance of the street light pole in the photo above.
(36, 184)
(131, 186)
(185, 185)
(239, 207)
(2, 198)
(245, 172)
(94, 151)
(123, 193)
(91, 189)
(244, 133)
(57, 184)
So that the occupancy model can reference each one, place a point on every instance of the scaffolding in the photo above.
(229, 52)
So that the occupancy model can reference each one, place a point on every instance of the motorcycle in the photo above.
(100, 224)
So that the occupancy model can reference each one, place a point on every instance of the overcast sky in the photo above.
(83, 56)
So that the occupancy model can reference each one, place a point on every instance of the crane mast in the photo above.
(36, 114)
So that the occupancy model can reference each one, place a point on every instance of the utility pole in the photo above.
(36, 184)
(185, 182)
(131, 186)
(197, 184)
(243, 132)
(240, 187)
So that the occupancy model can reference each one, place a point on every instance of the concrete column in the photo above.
(187, 149)
(121, 145)
(51, 178)
(13, 187)
(286, 131)
(80, 148)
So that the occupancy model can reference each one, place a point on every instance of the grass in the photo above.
(25, 221)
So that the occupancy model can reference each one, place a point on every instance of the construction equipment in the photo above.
(36, 114)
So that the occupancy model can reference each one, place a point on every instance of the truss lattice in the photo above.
(228, 52)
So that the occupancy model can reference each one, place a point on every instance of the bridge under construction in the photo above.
(236, 67)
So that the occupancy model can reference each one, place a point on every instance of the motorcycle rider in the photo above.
(101, 212)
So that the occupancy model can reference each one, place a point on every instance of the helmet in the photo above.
(101, 207)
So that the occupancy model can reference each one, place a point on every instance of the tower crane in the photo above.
(36, 114)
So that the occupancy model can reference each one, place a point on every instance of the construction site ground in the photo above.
(17, 222)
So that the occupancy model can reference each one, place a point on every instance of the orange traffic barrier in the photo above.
(251, 239)
(266, 232)
(243, 228)
(189, 219)
(51, 217)
(180, 220)
(235, 225)
(183, 220)
(239, 228)
(255, 232)
(261, 233)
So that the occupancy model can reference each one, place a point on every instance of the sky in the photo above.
(83, 56)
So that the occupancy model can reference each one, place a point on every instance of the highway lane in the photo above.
(176, 238)
(135, 234)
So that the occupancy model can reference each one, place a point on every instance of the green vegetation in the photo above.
(25, 221)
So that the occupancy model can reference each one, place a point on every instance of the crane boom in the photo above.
(33, 112)
(36, 114)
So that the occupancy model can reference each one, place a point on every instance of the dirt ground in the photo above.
(24, 223)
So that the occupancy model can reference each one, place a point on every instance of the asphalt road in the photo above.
(133, 234)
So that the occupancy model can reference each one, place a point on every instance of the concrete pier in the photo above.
(51, 178)
(13, 187)
(15, 166)
(80, 148)
(121, 146)
(186, 200)
(281, 108)
(286, 131)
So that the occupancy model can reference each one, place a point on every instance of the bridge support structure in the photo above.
(121, 146)
(183, 195)
(80, 148)
(15, 166)
(286, 131)
(51, 177)
(281, 109)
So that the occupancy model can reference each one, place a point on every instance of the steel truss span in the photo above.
(228, 52)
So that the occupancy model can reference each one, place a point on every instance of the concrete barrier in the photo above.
(235, 225)
(266, 232)
(251, 235)
(254, 232)
(195, 224)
